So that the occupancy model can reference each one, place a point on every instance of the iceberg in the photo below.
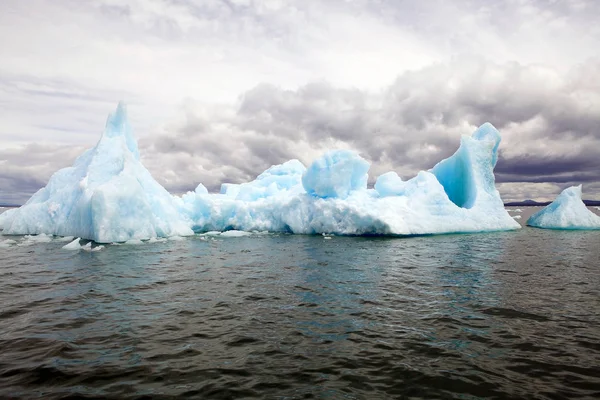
(457, 195)
(567, 211)
(109, 196)
(106, 196)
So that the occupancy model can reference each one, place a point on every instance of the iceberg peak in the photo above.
(117, 125)
(106, 196)
(488, 132)
(468, 175)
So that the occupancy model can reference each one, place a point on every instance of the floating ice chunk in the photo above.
(133, 242)
(336, 174)
(41, 238)
(157, 240)
(65, 239)
(106, 196)
(567, 211)
(74, 245)
(176, 238)
(90, 248)
(517, 217)
(232, 234)
(7, 243)
(389, 184)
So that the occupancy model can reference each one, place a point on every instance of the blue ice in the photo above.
(109, 196)
(567, 211)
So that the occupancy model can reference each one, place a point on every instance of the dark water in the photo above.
(499, 315)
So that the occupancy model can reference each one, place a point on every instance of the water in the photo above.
(498, 315)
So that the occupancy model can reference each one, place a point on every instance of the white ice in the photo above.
(567, 211)
(108, 196)
(457, 195)
(74, 245)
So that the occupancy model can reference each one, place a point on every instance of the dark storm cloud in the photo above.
(535, 167)
(412, 125)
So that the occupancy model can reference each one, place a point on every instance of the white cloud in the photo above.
(65, 64)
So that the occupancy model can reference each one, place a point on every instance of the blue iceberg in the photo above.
(106, 196)
(109, 196)
(457, 195)
(567, 211)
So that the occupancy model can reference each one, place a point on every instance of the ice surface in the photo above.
(389, 184)
(336, 174)
(106, 196)
(74, 245)
(567, 211)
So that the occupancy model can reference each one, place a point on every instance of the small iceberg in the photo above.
(567, 211)
(74, 245)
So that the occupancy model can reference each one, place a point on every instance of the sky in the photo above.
(219, 90)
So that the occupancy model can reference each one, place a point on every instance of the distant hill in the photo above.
(533, 203)
(9, 205)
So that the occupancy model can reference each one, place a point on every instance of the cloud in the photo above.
(410, 126)
(218, 90)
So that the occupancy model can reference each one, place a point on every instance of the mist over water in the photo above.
(493, 315)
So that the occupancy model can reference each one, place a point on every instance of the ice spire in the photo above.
(117, 124)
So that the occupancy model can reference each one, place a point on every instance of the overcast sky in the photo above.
(219, 90)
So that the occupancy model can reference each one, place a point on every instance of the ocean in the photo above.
(504, 315)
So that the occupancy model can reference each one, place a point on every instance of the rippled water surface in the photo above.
(496, 315)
